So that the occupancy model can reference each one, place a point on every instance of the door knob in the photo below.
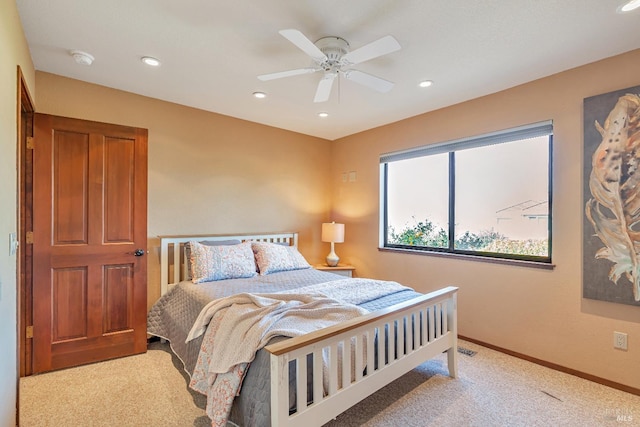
(138, 252)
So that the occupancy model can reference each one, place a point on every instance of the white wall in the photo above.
(14, 52)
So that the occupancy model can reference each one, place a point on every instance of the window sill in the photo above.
(484, 259)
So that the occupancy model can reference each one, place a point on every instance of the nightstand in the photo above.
(341, 269)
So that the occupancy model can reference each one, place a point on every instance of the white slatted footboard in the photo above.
(380, 347)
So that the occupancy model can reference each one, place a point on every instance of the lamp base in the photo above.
(332, 262)
(332, 259)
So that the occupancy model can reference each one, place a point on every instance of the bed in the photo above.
(323, 369)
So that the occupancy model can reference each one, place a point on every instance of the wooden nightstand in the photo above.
(341, 269)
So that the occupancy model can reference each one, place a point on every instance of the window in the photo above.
(487, 196)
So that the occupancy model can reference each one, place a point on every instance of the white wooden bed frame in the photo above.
(434, 331)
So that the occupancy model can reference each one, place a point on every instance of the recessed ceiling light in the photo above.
(81, 57)
(259, 95)
(323, 114)
(150, 61)
(425, 83)
(629, 6)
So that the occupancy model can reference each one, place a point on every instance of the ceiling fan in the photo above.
(333, 56)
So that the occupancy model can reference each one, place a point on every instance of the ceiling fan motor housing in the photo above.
(334, 48)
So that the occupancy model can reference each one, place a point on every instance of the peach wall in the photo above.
(217, 174)
(210, 173)
(536, 312)
(14, 53)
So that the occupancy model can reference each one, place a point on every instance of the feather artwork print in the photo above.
(614, 209)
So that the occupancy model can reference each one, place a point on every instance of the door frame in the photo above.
(24, 125)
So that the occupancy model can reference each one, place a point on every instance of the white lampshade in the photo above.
(332, 232)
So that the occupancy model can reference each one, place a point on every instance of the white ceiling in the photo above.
(212, 51)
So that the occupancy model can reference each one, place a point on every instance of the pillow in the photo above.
(272, 257)
(187, 252)
(211, 263)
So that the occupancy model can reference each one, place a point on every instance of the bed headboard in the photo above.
(172, 260)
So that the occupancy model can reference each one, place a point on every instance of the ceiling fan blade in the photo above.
(324, 87)
(373, 82)
(289, 73)
(304, 44)
(383, 46)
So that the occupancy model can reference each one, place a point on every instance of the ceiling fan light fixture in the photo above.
(82, 58)
(425, 83)
(629, 6)
(323, 114)
(259, 95)
(153, 62)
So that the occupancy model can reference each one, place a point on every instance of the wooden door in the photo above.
(89, 242)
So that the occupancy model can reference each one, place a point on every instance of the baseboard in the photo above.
(593, 378)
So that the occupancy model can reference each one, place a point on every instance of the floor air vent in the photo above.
(466, 351)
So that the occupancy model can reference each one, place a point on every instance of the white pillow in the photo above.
(187, 252)
(209, 263)
(271, 257)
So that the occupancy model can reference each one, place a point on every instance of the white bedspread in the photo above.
(251, 320)
(343, 290)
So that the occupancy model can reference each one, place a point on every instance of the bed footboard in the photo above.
(352, 360)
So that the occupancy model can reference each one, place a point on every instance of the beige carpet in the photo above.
(492, 390)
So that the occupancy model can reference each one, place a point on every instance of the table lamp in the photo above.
(333, 233)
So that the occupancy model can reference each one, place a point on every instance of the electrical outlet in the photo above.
(620, 340)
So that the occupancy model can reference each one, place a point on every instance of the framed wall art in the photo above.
(611, 202)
